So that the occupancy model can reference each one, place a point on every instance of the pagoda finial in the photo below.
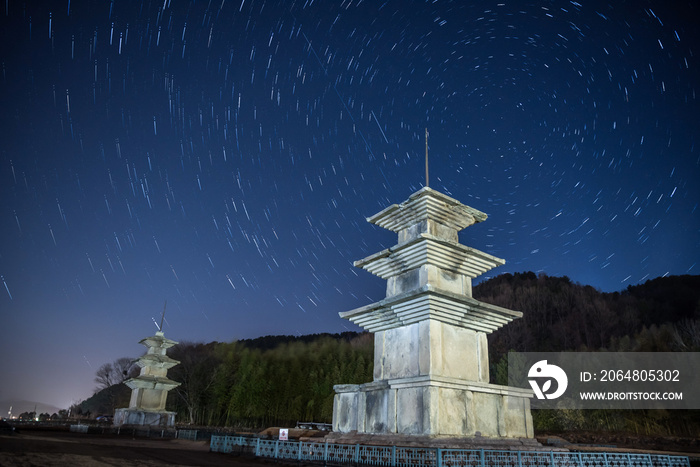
(162, 317)
(426, 157)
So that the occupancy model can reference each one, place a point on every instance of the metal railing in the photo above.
(398, 456)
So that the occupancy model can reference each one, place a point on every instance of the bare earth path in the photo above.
(37, 448)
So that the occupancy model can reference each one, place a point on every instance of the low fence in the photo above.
(96, 428)
(126, 430)
(192, 435)
(396, 456)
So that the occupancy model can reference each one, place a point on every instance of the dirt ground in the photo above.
(38, 448)
(590, 441)
(61, 448)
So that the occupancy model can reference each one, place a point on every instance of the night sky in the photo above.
(223, 155)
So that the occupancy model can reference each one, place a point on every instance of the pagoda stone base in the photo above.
(161, 419)
(426, 406)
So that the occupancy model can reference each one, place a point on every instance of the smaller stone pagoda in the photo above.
(149, 390)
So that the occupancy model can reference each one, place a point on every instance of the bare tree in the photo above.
(113, 373)
(686, 336)
(124, 369)
(104, 377)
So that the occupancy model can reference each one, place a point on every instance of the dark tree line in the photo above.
(277, 380)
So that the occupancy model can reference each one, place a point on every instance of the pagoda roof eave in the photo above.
(158, 341)
(428, 249)
(429, 302)
(158, 358)
(151, 382)
(425, 204)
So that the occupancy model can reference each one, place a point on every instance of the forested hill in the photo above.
(662, 314)
(276, 380)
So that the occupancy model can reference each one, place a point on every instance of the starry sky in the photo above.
(223, 155)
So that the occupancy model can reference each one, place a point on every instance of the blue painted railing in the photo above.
(397, 456)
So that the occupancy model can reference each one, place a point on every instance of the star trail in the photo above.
(223, 156)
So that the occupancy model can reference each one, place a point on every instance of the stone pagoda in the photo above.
(149, 390)
(431, 363)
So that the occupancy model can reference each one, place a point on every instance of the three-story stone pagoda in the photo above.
(431, 364)
(149, 390)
